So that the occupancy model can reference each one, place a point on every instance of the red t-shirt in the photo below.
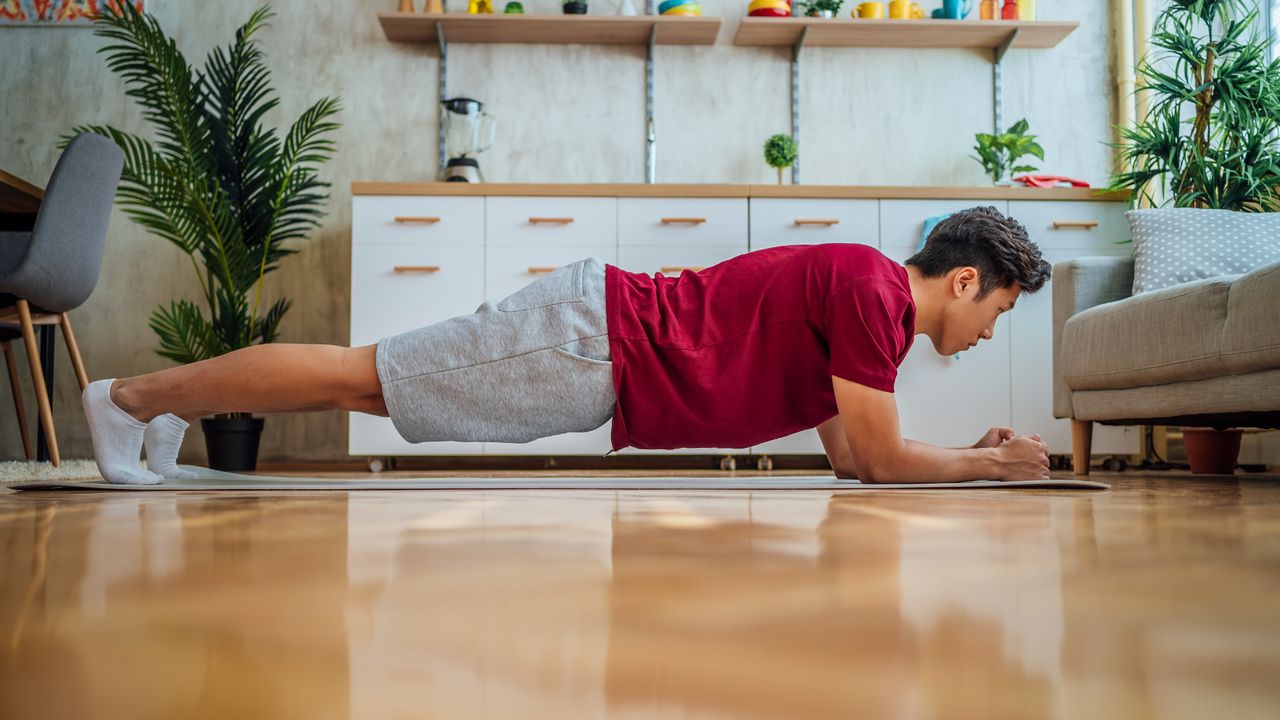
(743, 351)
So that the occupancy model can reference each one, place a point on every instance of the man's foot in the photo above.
(117, 437)
(163, 439)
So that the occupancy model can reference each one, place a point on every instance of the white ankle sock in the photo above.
(163, 439)
(117, 437)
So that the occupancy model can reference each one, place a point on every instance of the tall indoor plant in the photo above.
(1211, 137)
(221, 186)
(1210, 140)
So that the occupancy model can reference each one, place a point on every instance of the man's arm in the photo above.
(868, 419)
(831, 433)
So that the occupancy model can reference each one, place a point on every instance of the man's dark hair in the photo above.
(994, 244)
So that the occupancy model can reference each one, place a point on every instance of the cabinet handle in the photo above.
(828, 223)
(683, 220)
(416, 219)
(416, 268)
(533, 270)
(550, 220)
(682, 268)
(1074, 224)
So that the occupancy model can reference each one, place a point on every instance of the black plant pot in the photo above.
(232, 442)
(575, 8)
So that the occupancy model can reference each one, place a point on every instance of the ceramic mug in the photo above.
(869, 11)
(955, 9)
(905, 10)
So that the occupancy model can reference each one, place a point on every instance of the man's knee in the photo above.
(368, 404)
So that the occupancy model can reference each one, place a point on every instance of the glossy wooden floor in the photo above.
(1157, 599)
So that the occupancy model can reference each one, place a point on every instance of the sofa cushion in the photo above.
(1177, 245)
(1203, 329)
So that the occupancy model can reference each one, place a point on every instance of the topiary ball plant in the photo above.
(780, 152)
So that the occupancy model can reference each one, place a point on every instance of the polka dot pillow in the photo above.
(1172, 246)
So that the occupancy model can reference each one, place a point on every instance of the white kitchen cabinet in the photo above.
(682, 221)
(412, 220)
(538, 221)
(811, 221)
(395, 288)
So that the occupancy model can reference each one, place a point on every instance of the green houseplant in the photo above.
(218, 184)
(1211, 137)
(780, 152)
(999, 154)
(821, 8)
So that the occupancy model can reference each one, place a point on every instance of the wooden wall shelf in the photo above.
(819, 32)
(550, 29)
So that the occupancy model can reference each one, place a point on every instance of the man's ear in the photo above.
(963, 278)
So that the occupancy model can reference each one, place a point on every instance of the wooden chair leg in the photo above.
(37, 379)
(73, 350)
(1081, 444)
(18, 405)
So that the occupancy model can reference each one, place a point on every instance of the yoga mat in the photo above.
(218, 480)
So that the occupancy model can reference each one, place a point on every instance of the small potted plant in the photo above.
(575, 7)
(999, 154)
(780, 152)
(821, 8)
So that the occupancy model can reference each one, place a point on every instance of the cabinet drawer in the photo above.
(433, 284)
(902, 221)
(777, 222)
(507, 269)
(551, 221)
(671, 261)
(682, 221)
(1059, 224)
(409, 220)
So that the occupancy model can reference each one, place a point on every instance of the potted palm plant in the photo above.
(225, 189)
(1210, 140)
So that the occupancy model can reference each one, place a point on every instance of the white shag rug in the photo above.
(16, 471)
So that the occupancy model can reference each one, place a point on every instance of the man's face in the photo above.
(966, 322)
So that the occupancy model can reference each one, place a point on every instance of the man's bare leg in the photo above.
(277, 377)
(263, 378)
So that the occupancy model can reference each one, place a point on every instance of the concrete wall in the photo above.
(567, 114)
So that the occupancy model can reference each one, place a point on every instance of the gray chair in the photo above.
(53, 269)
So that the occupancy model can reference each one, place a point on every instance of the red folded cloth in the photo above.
(1041, 180)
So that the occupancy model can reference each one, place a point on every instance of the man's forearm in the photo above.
(921, 462)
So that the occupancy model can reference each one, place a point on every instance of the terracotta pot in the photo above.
(1212, 451)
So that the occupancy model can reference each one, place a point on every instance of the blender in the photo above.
(465, 121)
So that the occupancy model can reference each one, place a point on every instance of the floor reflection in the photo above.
(137, 606)
(1152, 600)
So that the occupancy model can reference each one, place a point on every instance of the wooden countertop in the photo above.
(713, 190)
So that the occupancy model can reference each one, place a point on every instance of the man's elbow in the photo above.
(878, 472)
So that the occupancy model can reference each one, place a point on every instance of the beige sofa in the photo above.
(1204, 353)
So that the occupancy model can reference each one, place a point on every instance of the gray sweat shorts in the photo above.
(534, 364)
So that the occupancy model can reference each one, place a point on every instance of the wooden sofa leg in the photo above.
(1081, 443)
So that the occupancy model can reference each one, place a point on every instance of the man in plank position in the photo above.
(751, 349)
